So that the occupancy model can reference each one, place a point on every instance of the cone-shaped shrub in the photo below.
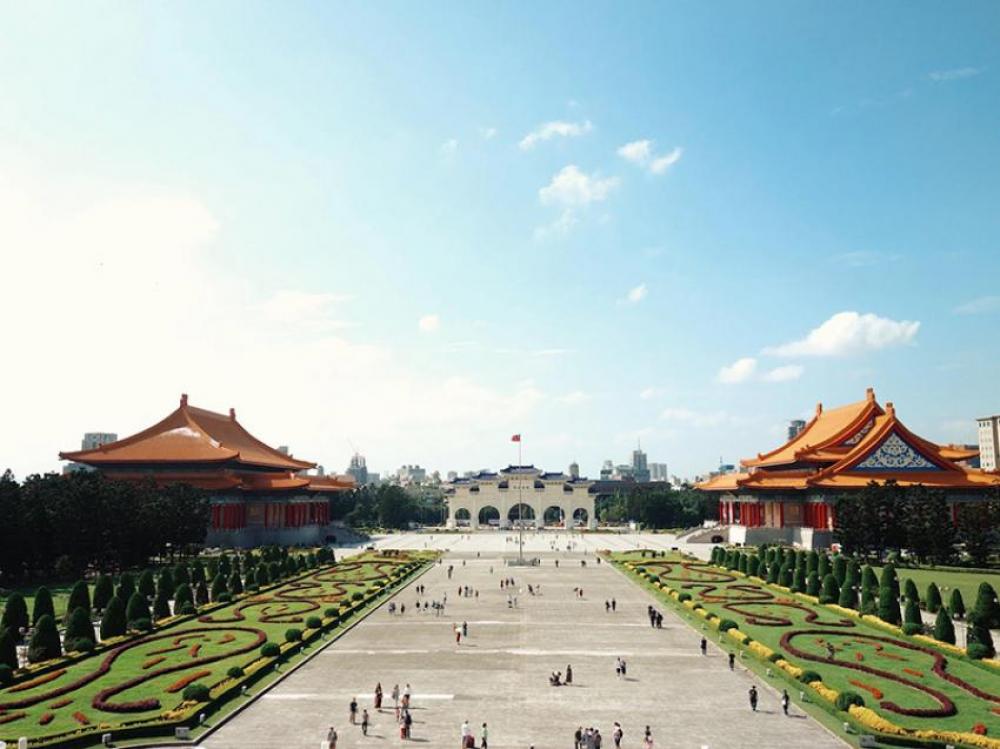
(8, 649)
(181, 575)
(225, 568)
(43, 606)
(888, 605)
(126, 586)
(211, 568)
(743, 563)
(773, 571)
(890, 579)
(812, 584)
(45, 644)
(235, 583)
(911, 614)
(197, 572)
(147, 584)
(218, 587)
(78, 626)
(762, 570)
(824, 567)
(103, 591)
(274, 571)
(182, 596)
(812, 562)
(799, 580)
(944, 630)
(978, 638)
(79, 598)
(785, 576)
(933, 601)
(201, 594)
(161, 604)
(848, 595)
(137, 609)
(987, 609)
(831, 591)
(910, 591)
(956, 606)
(15, 615)
(753, 565)
(840, 568)
(166, 582)
(260, 575)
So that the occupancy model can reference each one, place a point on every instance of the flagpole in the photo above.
(520, 508)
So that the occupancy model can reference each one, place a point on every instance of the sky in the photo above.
(415, 229)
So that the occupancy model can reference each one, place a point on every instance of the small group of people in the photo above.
(610, 606)
(469, 738)
(589, 738)
(621, 668)
(506, 582)
(556, 678)
(655, 617)
(467, 591)
(511, 601)
(578, 592)
(535, 590)
(460, 632)
(393, 609)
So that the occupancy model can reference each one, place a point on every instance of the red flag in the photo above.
(516, 438)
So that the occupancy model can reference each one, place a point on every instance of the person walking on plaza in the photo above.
(378, 696)
(353, 710)
(569, 674)
(465, 629)
(597, 738)
(784, 700)
(578, 737)
(732, 661)
(483, 734)
(407, 725)
(395, 696)
(466, 734)
(753, 698)
(617, 734)
(331, 737)
(647, 739)
(704, 646)
(614, 605)
(364, 722)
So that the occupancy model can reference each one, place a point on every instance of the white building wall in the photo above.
(480, 493)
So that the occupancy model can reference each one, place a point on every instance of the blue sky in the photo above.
(418, 228)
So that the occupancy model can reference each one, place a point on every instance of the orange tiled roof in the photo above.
(858, 444)
(190, 435)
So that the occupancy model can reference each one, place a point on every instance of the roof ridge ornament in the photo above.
(184, 400)
(232, 414)
(819, 408)
(870, 395)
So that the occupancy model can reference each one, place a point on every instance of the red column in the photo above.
(781, 514)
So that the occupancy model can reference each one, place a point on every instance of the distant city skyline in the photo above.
(412, 230)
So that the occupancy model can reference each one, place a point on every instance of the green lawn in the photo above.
(947, 579)
(208, 645)
(866, 654)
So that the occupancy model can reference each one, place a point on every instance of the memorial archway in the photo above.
(489, 515)
(581, 516)
(462, 516)
(554, 515)
(521, 512)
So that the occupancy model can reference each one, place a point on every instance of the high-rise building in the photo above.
(93, 440)
(574, 470)
(794, 427)
(640, 471)
(411, 474)
(989, 443)
(607, 470)
(358, 468)
(658, 472)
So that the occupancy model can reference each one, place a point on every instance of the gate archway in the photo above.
(462, 516)
(554, 515)
(489, 515)
(581, 516)
(521, 512)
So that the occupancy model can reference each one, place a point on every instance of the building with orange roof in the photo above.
(789, 494)
(259, 495)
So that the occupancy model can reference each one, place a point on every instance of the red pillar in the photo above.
(781, 514)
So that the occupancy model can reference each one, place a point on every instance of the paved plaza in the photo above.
(500, 673)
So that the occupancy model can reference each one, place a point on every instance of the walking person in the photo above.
(378, 696)
(353, 710)
(614, 605)
(569, 674)
(704, 646)
(407, 725)
(483, 734)
(331, 737)
(732, 661)
(753, 698)
(784, 700)
(647, 739)
(617, 734)
(466, 734)
(364, 722)
(578, 737)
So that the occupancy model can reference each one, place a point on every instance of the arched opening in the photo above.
(489, 515)
(554, 516)
(462, 516)
(580, 516)
(521, 512)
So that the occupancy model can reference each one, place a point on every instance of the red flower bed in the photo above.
(80, 718)
(859, 656)
(913, 672)
(38, 681)
(226, 638)
(873, 691)
(60, 703)
(45, 719)
(171, 649)
(193, 652)
(152, 662)
(980, 729)
(185, 680)
(11, 718)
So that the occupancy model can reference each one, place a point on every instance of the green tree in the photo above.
(888, 605)
(166, 582)
(812, 562)
(235, 583)
(823, 567)
(15, 615)
(161, 604)
(956, 606)
(986, 608)
(812, 584)
(182, 596)
(218, 587)
(944, 630)
(137, 609)
(848, 594)
(43, 605)
(911, 614)
(910, 591)
(840, 568)
(103, 591)
(79, 627)
(933, 601)
(79, 598)
(785, 576)
(978, 637)
(260, 575)
(890, 579)
(831, 591)
(8, 649)
(113, 623)
(197, 572)
(147, 584)
(978, 528)
(45, 644)
(201, 594)
(799, 580)
(181, 575)
(126, 586)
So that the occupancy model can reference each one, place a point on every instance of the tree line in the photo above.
(59, 526)
(658, 507)
(387, 506)
(884, 518)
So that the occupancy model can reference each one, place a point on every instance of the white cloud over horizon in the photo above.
(980, 306)
(847, 333)
(640, 153)
(555, 128)
(739, 371)
(572, 187)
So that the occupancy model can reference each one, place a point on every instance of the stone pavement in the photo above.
(500, 674)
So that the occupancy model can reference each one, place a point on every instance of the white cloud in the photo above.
(981, 306)
(571, 187)
(636, 294)
(694, 418)
(449, 148)
(650, 393)
(785, 373)
(638, 151)
(488, 133)
(550, 130)
(739, 371)
(574, 398)
(847, 333)
(429, 323)
(558, 228)
(662, 163)
(954, 74)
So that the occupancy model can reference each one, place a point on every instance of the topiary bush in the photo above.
(79, 598)
(933, 598)
(727, 624)
(43, 605)
(314, 622)
(830, 592)
(80, 645)
(785, 576)
(45, 644)
(293, 634)
(944, 630)
(201, 594)
(978, 651)
(846, 699)
(197, 693)
(142, 625)
(126, 586)
(78, 626)
(956, 606)
(270, 650)
(812, 584)
(799, 580)
(8, 649)
(910, 591)
(136, 610)
(683, 597)
(357, 595)
(888, 605)
(912, 628)
(235, 673)
(331, 612)
(147, 584)
(187, 609)
(113, 623)
(103, 591)
(808, 677)
(225, 597)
